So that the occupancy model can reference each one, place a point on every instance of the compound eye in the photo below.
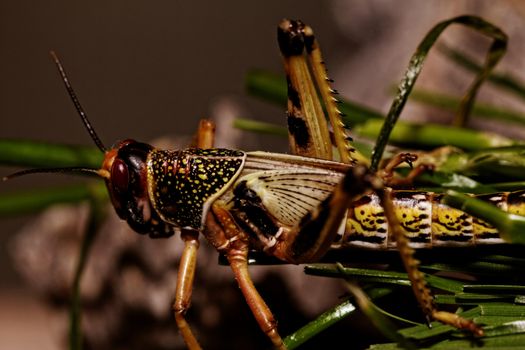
(120, 176)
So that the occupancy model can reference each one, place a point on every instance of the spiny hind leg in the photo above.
(223, 233)
(316, 232)
(416, 277)
(309, 137)
(306, 74)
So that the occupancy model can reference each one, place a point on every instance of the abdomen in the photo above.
(425, 221)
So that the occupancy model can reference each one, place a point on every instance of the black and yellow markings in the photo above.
(367, 226)
(414, 212)
(425, 221)
(366, 223)
(516, 203)
(449, 224)
(181, 182)
(483, 231)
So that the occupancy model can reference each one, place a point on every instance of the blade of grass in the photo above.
(504, 81)
(272, 87)
(496, 51)
(260, 127)
(433, 135)
(423, 331)
(34, 200)
(97, 214)
(380, 276)
(324, 321)
(451, 103)
(514, 327)
(491, 287)
(376, 316)
(405, 134)
(510, 226)
(43, 154)
(499, 309)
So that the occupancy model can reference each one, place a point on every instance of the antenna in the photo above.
(76, 102)
(87, 124)
(53, 170)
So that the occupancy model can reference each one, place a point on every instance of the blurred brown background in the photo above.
(148, 69)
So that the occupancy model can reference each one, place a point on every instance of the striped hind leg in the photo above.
(307, 80)
(417, 278)
(309, 136)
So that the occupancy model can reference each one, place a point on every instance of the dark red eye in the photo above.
(120, 176)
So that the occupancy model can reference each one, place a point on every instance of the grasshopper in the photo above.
(294, 207)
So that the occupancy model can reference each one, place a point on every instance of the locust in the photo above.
(295, 207)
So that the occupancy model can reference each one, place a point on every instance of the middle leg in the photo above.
(223, 232)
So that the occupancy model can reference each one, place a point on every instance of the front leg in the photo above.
(188, 262)
(184, 287)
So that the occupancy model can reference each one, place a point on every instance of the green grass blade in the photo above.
(324, 321)
(43, 154)
(452, 103)
(500, 309)
(380, 320)
(434, 135)
(260, 127)
(267, 86)
(494, 288)
(423, 331)
(96, 217)
(510, 226)
(272, 88)
(35, 200)
(380, 276)
(36, 154)
(514, 327)
(501, 164)
(496, 51)
(503, 81)
(406, 134)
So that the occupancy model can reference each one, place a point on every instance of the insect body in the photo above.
(268, 194)
(294, 207)
(276, 203)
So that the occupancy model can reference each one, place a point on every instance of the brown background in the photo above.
(146, 69)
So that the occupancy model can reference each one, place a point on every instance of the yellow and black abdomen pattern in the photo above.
(425, 221)
(183, 183)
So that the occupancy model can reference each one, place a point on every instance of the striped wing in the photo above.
(290, 194)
